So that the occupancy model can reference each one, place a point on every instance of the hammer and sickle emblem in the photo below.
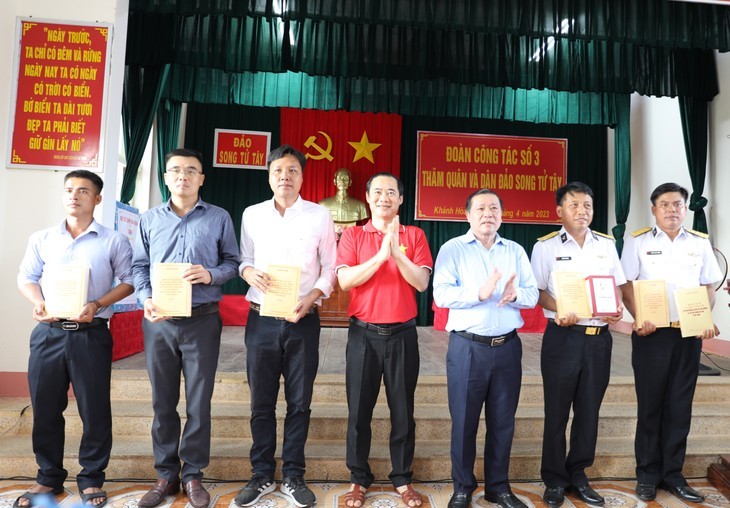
(323, 154)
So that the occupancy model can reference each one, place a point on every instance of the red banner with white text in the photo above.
(364, 143)
(59, 96)
(524, 171)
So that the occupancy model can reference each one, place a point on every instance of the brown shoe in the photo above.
(197, 495)
(158, 493)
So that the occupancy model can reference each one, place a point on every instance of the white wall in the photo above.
(31, 199)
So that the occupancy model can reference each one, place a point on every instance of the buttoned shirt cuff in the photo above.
(243, 266)
(325, 286)
(215, 276)
(143, 294)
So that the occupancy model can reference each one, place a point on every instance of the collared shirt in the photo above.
(304, 236)
(107, 253)
(386, 297)
(597, 256)
(463, 265)
(685, 262)
(204, 236)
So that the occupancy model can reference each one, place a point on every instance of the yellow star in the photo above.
(364, 148)
(403, 248)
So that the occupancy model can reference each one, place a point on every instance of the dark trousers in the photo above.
(395, 360)
(665, 369)
(189, 346)
(575, 372)
(82, 358)
(277, 348)
(479, 375)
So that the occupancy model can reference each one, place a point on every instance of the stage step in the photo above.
(132, 454)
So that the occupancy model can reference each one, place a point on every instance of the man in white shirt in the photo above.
(285, 230)
(666, 364)
(575, 359)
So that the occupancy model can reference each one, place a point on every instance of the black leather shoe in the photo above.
(460, 500)
(687, 493)
(505, 500)
(588, 495)
(646, 491)
(554, 496)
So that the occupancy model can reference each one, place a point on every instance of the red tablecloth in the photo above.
(126, 327)
(534, 319)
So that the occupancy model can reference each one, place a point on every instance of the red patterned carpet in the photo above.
(618, 494)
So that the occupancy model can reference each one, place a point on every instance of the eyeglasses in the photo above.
(187, 172)
(665, 205)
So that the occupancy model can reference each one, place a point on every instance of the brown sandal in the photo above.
(355, 498)
(411, 496)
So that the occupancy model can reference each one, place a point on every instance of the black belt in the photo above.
(71, 326)
(489, 340)
(587, 330)
(257, 308)
(383, 329)
(201, 310)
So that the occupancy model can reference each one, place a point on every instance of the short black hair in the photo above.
(572, 188)
(185, 152)
(86, 175)
(401, 188)
(283, 150)
(668, 187)
(479, 193)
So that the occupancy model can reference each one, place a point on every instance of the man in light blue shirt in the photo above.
(76, 349)
(483, 280)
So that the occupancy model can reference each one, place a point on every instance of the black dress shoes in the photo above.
(505, 500)
(460, 500)
(588, 495)
(687, 493)
(554, 496)
(646, 491)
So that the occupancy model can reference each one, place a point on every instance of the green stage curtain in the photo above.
(622, 169)
(694, 128)
(142, 92)
(402, 52)
(649, 22)
(420, 98)
(168, 129)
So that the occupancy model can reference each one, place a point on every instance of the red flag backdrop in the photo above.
(364, 143)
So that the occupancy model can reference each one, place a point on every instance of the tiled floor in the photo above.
(432, 347)
(330, 495)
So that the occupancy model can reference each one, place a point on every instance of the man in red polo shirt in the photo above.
(382, 264)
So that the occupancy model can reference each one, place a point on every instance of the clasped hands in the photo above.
(509, 294)
(391, 242)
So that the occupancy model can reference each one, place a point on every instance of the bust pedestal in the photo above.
(333, 311)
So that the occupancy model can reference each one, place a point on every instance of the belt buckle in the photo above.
(69, 326)
(384, 330)
(498, 341)
(674, 324)
(592, 330)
